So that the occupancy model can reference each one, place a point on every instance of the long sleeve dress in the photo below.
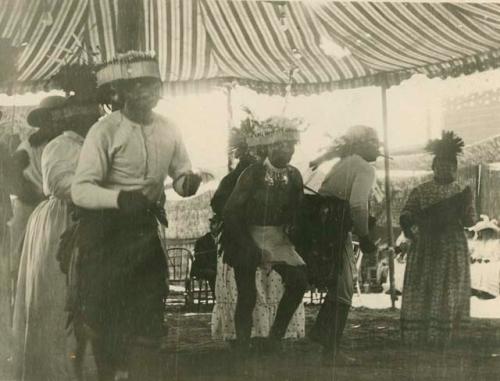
(27, 186)
(39, 316)
(436, 292)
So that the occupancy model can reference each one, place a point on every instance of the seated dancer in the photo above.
(346, 190)
(39, 316)
(437, 284)
(118, 185)
(257, 215)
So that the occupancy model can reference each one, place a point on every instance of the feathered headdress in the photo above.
(268, 131)
(448, 147)
(76, 78)
(130, 65)
(79, 81)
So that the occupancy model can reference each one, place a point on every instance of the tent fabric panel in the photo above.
(261, 44)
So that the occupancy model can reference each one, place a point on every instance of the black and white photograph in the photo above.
(249, 190)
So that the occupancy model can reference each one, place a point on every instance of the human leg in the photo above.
(332, 317)
(295, 281)
(247, 296)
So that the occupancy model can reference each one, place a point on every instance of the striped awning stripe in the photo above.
(263, 44)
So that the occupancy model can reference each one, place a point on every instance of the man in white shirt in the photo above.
(347, 188)
(119, 185)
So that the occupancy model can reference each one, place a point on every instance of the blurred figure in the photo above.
(345, 192)
(205, 256)
(485, 258)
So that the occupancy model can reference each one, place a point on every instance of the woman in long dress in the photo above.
(26, 179)
(43, 351)
(268, 283)
(436, 293)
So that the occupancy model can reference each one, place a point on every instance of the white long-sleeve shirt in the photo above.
(119, 154)
(352, 179)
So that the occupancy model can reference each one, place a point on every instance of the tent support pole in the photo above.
(390, 233)
(229, 109)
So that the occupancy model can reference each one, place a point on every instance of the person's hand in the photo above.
(132, 202)
(191, 184)
(314, 164)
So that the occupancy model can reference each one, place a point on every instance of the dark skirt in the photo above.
(122, 282)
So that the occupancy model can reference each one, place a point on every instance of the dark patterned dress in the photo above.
(436, 296)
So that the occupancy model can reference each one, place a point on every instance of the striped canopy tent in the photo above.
(266, 45)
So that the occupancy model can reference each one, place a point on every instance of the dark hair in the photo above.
(39, 137)
(111, 95)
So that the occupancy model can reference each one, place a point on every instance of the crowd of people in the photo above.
(90, 201)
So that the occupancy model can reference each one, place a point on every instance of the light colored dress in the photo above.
(21, 211)
(270, 289)
(39, 317)
(485, 269)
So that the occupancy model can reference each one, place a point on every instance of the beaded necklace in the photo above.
(275, 176)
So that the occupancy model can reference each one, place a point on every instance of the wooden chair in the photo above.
(179, 266)
(201, 292)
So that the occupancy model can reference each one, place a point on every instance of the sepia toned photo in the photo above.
(250, 190)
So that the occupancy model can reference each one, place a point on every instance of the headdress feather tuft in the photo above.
(449, 146)
(76, 78)
(268, 131)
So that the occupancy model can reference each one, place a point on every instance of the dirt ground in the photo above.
(372, 337)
